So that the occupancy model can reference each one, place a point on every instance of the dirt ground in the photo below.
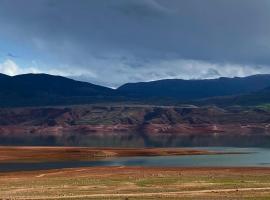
(128, 183)
(44, 154)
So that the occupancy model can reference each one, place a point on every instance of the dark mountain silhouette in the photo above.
(3, 76)
(196, 89)
(258, 98)
(44, 89)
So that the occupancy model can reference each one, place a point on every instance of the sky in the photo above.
(112, 42)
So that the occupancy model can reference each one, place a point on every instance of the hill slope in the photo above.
(43, 89)
(255, 98)
(196, 89)
(135, 126)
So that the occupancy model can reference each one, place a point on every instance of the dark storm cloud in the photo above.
(131, 40)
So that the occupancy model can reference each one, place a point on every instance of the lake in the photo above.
(247, 157)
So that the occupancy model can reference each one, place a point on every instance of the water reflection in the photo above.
(259, 157)
(137, 140)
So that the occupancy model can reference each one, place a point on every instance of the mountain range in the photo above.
(197, 89)
(44, 89)
(41, 109)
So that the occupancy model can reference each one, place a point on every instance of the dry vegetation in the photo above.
(125, 183)
(137, 183)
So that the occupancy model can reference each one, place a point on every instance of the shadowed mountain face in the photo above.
(196, 89)
(261, 97)
(43, 89)
(138, 125)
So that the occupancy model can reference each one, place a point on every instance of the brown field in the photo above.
(138, 183)
(43, 154)
(126, 183)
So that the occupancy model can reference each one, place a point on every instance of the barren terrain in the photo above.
(135, 125)
(121, 182)
(46, 154)
(137, 183)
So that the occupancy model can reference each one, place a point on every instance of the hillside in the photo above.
(135, 126)
(258, 98)
(184, 90)
(44, 89)
(47, 90)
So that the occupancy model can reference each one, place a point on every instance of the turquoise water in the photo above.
(247, 157)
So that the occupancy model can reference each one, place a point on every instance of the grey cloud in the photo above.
(124, 37)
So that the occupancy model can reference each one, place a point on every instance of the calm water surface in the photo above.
(254, 157)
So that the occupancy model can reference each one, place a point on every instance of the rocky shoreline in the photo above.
(53, 124)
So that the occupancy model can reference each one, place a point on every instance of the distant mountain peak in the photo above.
(195, 89)
(45, 89)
